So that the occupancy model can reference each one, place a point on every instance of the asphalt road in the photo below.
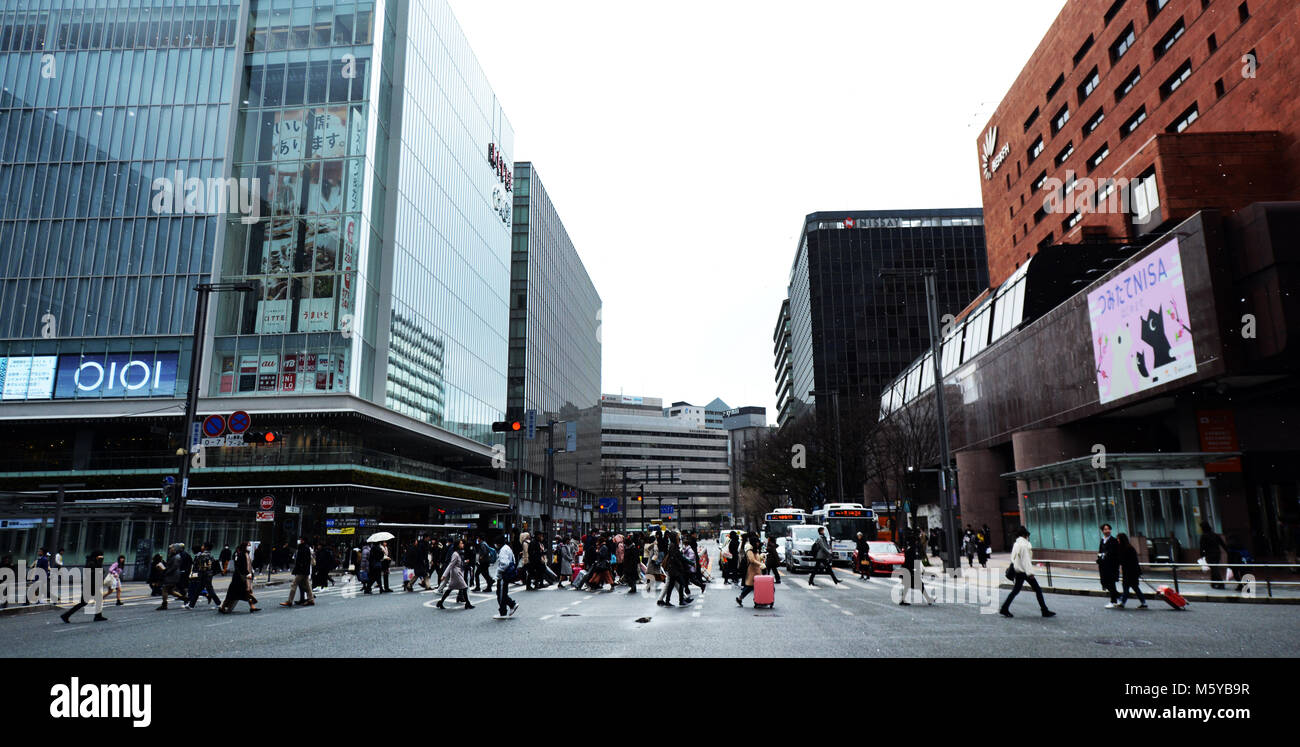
(856, 618)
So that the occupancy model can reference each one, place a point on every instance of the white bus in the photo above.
(777, 523)
(843, 521)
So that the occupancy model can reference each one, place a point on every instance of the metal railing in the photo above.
(1172, 568)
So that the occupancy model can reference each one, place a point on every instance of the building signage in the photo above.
(114, 375)
(993, 159)
(1141, 327)
(265, 516)
(505, 173)
(666, 510)
(1218, 431)
(22, 524)
(340, 509)
(871, 222)
(27, 377)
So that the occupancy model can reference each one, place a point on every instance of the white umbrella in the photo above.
(380, 537)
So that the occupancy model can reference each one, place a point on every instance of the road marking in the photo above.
(850, 614)
(547, 617)
(836, 606)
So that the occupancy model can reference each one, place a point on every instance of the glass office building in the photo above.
(554, 360)
(349, 160)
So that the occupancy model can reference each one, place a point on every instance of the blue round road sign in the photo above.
(214, 425)
(239, 421)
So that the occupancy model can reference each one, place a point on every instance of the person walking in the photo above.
(982, 546)
(631, 563)
(241, 583)
(486, 557)
(204, 568)
(753, 567)
(674, 568)
(773, 560)
(864, 550)
(968, 546)
(301, 576)
(385, 562)
(913, 551)
(566, 554)
(94, 561)
(1108, 564)
(822, 558)
(225, 560)
(1131, 570)
(696, 572)
(454, 578)
(654, 570)
(1212, 549)
(171, 577)
(506, 569)
(114, 578)
(731, 558)
(1022, 569)
(320, 577)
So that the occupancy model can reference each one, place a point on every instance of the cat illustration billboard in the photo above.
(1141, 328)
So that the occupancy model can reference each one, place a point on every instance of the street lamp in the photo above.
(192, 396)
(839, 450)
(948, 495)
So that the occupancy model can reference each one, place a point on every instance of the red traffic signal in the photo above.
(262, 438)
(506, 426)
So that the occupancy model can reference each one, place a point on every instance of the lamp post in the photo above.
(205, 290)
(839, 450)
(947, 489)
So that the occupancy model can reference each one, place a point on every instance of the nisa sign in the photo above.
(116, 375)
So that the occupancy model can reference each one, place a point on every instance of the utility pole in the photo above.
(205, 290)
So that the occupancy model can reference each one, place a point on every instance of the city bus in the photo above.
(778, 522)
(843, 521)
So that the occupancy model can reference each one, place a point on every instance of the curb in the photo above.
(1199, 598)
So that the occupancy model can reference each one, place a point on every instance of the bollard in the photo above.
(1049, 573)
(1174, 569)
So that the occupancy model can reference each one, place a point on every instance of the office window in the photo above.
(1060, 81)
(1039, 215)
(1167, 41)
(1114, 10)
(1036, 149)
(1176, 80)
(1128, 84)
(1065, 153)
(1098, 157)
(1094, 122)
(1122, 44)
(1155, 6)
(1185, 119)
(1219, 88)
(1129, 126)
(1089, 85)
(1213, 43)
(1243, 12)
(1033, 117)
(1071, 222)
(1144, 196)
(1047, 241)
(1038, 182)
(1063, 116)
(1083, 50)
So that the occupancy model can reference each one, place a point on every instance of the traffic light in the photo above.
(168, 490)
(262, 438)
(507, 426)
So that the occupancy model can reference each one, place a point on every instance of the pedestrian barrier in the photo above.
(1172, 568)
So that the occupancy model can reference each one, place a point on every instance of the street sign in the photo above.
(293, 509)
(234, 440)
(268, 502)
(666, 510)
(214, 426)
(196, 437)
(343, 530)
(340, 523)
(530, 421)
(608, 505)
(586, 507)
(340, 509)
(266, 516)
(571, 436)
(239, 421)
(218, 441)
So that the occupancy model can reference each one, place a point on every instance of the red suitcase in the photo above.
(1173, 598)
(764, 591)
(577, 570)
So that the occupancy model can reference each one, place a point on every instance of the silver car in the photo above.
(799, 547)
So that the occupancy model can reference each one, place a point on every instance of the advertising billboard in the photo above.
(116, 375)
(27, 377)
(1141, 327)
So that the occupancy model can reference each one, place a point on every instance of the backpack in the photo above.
(203, 563)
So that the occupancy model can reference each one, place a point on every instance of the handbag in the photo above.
(1010, 573)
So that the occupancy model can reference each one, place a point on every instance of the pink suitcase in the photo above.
(764, 591)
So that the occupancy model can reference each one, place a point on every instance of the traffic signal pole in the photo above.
(191, 406)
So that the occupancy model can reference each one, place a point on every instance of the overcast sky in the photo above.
(684, 142)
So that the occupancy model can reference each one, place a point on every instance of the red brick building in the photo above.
(1138, 90)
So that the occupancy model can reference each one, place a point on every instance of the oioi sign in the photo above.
(116, 375)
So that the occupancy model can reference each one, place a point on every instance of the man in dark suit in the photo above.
(1108, 564)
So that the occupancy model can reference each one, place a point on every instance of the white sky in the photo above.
(684, 142)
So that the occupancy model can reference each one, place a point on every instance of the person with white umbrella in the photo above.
(379, 561)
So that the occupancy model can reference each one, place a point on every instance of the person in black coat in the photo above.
(1108, 564)
(912, 554)
(225, 560)
(863, 549)
(94, 561)
(1131, 570)
(773, 560)
(1212, 547)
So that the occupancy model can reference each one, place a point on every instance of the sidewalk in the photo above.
(135, 591)
(1075, 578)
